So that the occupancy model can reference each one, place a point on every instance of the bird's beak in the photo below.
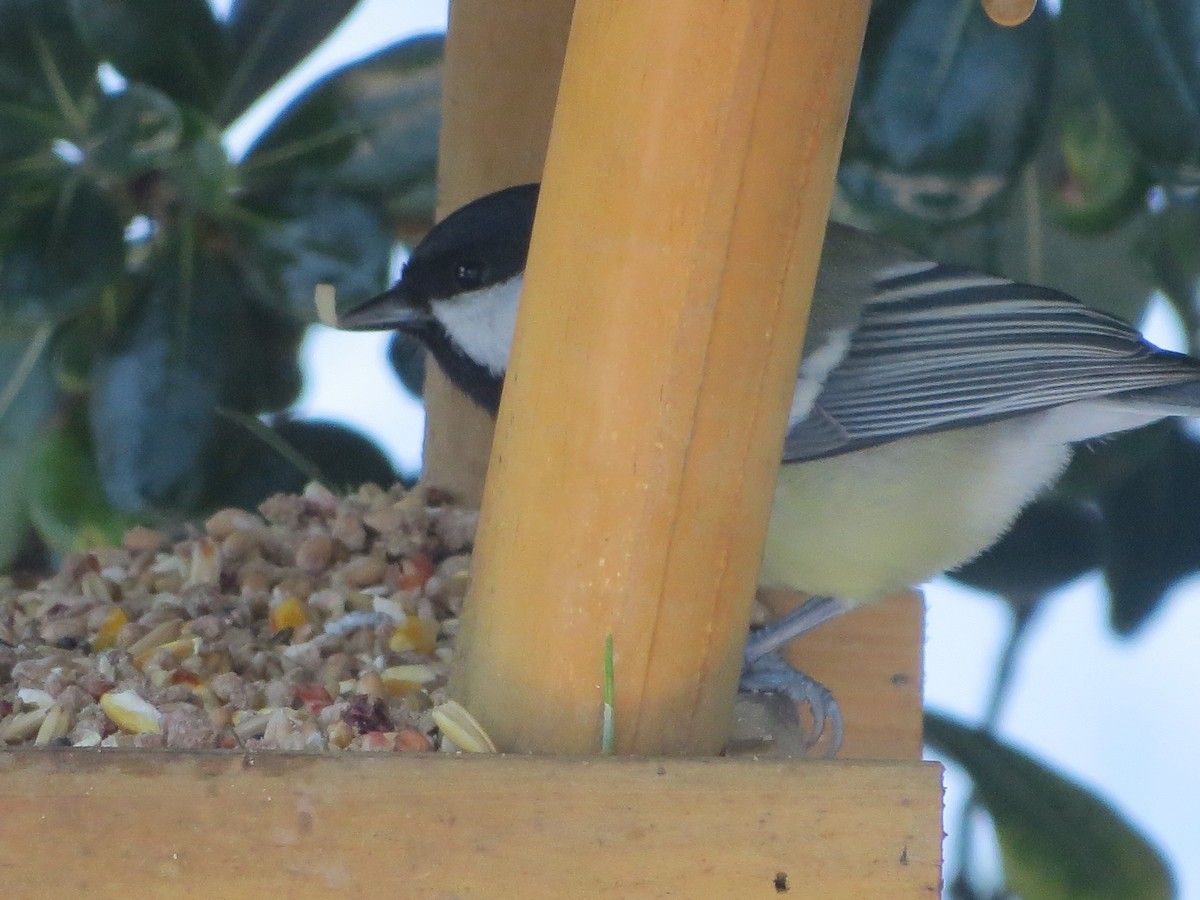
(393, 310)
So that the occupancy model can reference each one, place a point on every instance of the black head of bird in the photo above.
(458, 291)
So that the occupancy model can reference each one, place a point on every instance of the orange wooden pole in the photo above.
(686, 191)
(503, 61)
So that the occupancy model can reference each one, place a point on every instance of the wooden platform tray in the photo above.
(121, 823)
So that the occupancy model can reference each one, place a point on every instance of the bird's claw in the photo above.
(770, 673)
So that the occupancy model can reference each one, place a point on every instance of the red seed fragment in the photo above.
(313, 697)
(412, 741)
(414, 572)
(378, 740)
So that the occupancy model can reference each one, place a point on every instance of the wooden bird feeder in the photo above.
(687, 180)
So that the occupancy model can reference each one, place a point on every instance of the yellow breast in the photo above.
(866, 524)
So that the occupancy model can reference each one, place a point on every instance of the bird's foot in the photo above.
(769, 673)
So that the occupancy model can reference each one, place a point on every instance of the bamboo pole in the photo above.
(686, 191)
(503, 60)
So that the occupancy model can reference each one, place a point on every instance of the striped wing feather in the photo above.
(942, 347)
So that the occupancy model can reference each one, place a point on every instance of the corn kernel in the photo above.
(131, 713)
(181, 648)
(143, 648)
(106, 637)
(414, 633)
(56, 724)
(22, 726)
(399, 680)
(291, 613)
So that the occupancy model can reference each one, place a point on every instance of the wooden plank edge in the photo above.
(120, 823)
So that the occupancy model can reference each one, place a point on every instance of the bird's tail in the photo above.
(1181, 399)
(1096, 417)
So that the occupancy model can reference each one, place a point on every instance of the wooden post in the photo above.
(684, 204)
(503, 61)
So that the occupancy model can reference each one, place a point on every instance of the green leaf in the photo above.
(947, 108)
(73, 351)
(1095, 177)
(1142, 483)
(175, 46)
(263, 372)
(193, 341)
(369, 128)
(1174, 252)
(133, 131)
(327, 239)
(407, 357)
(154, 392)
(30, 185)
(44, 68)
(66, 503)
(201, 173)
(608, 731)
(248, 469)
(1022, 240)
(268, 39)
(1154, 520)
(1147, 60)
(27, 398)
(1103, 466)
(1057, 839)
(1146, 486)
(59, 259)
(26, 140)
(1052, 542)
(345, 458)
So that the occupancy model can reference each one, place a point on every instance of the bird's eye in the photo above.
(469, 275)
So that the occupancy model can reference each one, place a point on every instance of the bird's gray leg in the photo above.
(766, 671)
(804, 618)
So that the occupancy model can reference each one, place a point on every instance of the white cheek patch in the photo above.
(482, 322)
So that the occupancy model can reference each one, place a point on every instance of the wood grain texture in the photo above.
(127, 824)
(680, 224)
(871, 658)
(503, 61)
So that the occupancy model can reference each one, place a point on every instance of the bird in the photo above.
(932, 403)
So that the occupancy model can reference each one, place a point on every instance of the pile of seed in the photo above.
(318, 623)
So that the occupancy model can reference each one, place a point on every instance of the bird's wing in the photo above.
(943, 347)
